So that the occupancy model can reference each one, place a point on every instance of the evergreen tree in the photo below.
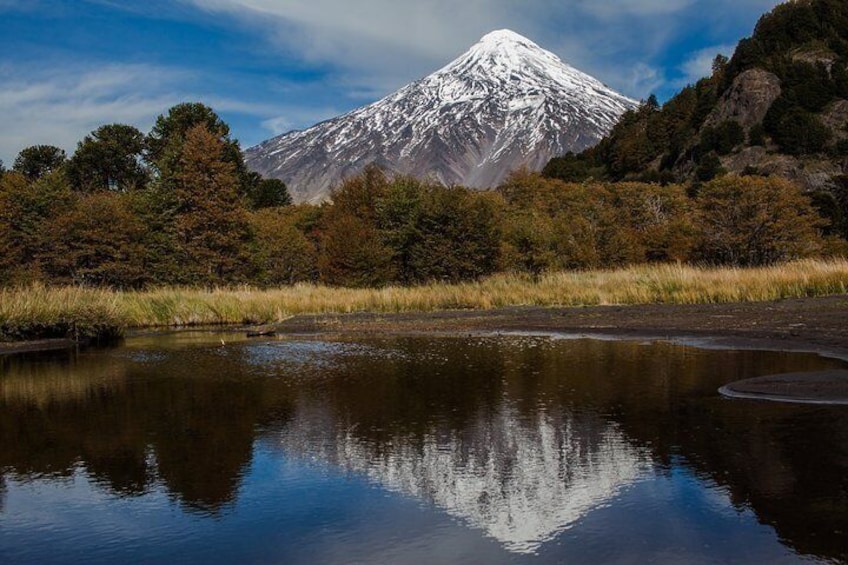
(170, 130)
(37, 161)
(109, 159)
(169, 134)
(267, 193)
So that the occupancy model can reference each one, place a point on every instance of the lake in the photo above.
(207, 447)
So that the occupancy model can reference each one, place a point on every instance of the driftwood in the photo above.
(261, 333)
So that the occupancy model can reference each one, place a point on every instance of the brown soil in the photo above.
(809, 324)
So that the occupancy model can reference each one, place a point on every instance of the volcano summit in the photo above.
(504, 104)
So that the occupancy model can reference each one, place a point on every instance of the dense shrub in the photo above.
(748, 221)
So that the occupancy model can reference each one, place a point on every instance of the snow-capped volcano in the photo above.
(504, 104)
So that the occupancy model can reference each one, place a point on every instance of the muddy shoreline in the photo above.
(818, 325)
(808, 324)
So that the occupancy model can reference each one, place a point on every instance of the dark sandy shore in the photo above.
(824, 387)
(809, 324)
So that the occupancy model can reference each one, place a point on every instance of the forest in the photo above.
(800, 50)
(177, 207)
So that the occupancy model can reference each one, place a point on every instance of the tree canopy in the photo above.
(37, 161)
(109, 159)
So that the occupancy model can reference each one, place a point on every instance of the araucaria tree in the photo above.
(109, 159)
(37, 161)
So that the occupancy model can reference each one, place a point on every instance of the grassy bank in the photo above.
(37, 311)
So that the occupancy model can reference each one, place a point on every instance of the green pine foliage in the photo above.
(110, 158)
(38, 161)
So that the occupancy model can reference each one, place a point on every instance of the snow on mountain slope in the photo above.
(504, 104)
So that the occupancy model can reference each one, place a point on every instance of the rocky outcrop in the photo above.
(748, 99)
(812, 173)
(835, 117)
(747, 102)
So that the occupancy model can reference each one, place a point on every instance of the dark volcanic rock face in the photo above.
(504, 104)
(748, 100)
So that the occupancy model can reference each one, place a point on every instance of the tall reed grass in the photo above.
(36, 310)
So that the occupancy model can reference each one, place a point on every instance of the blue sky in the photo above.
(269, 66)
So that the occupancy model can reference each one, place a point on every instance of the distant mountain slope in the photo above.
(778, 106)
(504, 104)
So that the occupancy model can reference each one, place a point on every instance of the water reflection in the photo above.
(178, 420)
(521, 481)
(518, 437)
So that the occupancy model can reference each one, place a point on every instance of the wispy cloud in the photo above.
(384, 43)
(60, 107)
(294, 118)
(353, 52)
(700, 63)
(614, 9)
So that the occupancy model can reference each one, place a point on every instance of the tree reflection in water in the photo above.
(520, 437)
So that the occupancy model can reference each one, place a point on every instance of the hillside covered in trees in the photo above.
(779, 106)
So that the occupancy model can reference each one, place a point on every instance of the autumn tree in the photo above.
(168, 135)
(284, 253)
(171, 129)
(97, 240)
(550, 224)
(26, 211)
(352, 251)
(109, 159)
(452, 236)
(209, 223)
(655, 221)
(749, 221)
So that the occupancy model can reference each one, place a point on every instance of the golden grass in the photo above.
(39, 311)
(671, 284)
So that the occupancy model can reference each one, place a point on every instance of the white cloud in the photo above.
(60, 106)
(364, 49)
(298, 118)
(700, 63)
(644, 78)
(378, 45)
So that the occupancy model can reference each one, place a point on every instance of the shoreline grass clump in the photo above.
(83, 314)
(80, 314)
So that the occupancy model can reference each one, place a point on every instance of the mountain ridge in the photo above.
(503, 104)
(777, 107)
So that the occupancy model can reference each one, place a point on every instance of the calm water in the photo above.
(413, 450)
